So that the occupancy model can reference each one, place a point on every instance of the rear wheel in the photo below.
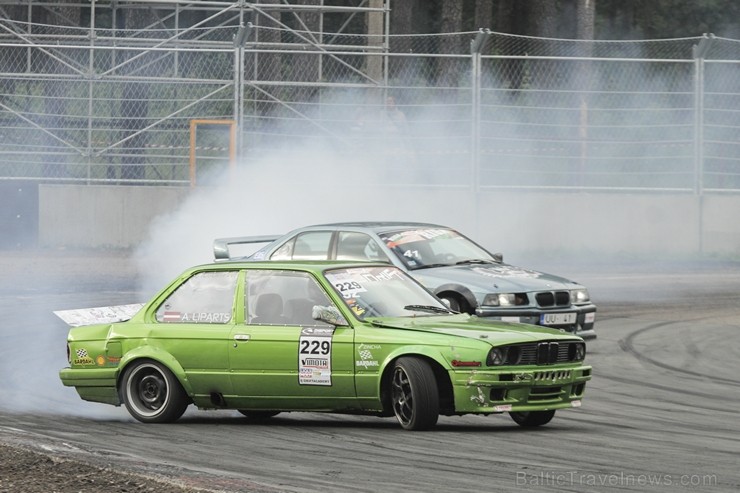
(531, 419)
(259, 414)
(151, 393)
(414, 394)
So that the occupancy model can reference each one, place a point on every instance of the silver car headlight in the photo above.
(500, 299)
(579, 296)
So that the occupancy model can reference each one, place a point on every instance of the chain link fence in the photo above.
(113, 101)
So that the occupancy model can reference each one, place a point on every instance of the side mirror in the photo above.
(329, 315)
(498, 257)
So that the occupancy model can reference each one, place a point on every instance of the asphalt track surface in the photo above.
(661, 413)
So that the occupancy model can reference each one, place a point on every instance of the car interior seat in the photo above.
(298, 311)
(268, 309)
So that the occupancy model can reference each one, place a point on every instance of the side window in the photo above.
(282, 298)
(312, 246)
(358, 246)
(205, 298)
(285, 252)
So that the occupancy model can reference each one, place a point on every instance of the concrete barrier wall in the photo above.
(603, 223)
(19, 212)
(81, 216)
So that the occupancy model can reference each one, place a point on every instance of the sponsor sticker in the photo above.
(82, 358)
(205, 318)
(314, 356)
(502, 407)
(364, 351)
(575, 403)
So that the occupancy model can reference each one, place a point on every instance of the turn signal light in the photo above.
(459, 363)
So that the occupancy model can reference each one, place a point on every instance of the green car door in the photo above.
(280, 357)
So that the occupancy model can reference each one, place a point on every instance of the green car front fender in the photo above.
(373, 383)
(426, 352)
(430, 352)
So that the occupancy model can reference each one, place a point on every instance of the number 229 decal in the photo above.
(315, 346)
(314, 356)
(349, 289)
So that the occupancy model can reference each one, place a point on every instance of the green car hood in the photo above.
(494, 332)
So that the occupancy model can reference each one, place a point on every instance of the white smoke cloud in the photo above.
(310, 184)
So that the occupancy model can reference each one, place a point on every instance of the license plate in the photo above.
(558, 318)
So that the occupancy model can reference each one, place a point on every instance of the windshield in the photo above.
(433, 247)
(383, 292)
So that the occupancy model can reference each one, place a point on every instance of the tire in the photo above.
(451, 302)
(531, 419)
(259, 414)
(151, 393)
(457, 303)
(414, 394)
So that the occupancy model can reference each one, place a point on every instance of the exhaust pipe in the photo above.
(217, 399)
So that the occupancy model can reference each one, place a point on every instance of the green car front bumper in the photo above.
(494, 391)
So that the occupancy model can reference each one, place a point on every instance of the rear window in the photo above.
(313, 245)
(206, 297)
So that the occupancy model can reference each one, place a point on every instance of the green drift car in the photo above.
(268, 337)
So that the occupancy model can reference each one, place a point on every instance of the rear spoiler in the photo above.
(221, 245)
(99, 315)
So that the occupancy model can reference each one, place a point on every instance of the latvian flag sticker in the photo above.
(171, 317)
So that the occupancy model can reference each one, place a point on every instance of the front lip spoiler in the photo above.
(586, 335)
(532, 312)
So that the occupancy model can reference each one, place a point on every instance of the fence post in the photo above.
(476, 46)
(90, 92)
(240, 39)
(699, 52)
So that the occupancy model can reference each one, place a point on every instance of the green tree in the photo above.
(660, 19)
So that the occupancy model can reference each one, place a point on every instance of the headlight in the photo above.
(504, 299)
(579, 296)
(577, 351)
(504, 355)
(497, 356)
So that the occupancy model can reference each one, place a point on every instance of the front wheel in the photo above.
(152, 394)
(457, 303)
(414, 394)
(531, 419)
(451, 303)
